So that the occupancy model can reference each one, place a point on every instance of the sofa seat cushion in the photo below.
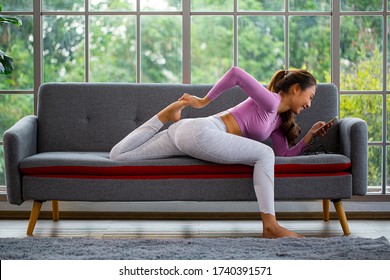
(98, 165)
(320, 164)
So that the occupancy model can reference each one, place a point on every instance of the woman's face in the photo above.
(302, 99)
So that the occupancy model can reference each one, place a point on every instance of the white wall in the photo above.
(281, 206)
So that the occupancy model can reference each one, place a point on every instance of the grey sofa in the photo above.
(61, 154)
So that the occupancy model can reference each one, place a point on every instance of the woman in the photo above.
(233, 136)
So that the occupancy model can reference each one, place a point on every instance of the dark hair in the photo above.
(280, 83)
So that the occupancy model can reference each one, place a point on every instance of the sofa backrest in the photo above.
(95, 116)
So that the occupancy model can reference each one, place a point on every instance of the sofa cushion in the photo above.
(309, 164)
(98, 165)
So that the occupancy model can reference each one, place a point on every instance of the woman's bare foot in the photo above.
(172, 112)
(278, 232)
(272, 229)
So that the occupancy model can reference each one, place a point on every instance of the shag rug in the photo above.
(248, 248)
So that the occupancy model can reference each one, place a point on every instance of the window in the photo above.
(261, 45)
(108, 37)
(196, 41)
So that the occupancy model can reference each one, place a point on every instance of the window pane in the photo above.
(388, 172)
(18, 43)
(211, 51)
(388, 118)
(388, 53)
(361, 5)
(311, 5)
(161, 49)
(20, 5)
(63, 48)
(367, 107)
(309, 45)
(206, 5)
(13, 107)
(375, 169)
(112, 49)
(2, 168)
(261, 5)
(261, 45)
(55, 5)
(109, 5)
(158, 5)
(361, 53)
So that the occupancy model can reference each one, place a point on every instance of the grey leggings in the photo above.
(206, 139)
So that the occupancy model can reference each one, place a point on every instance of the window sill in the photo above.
(3, 196)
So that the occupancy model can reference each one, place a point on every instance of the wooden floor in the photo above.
(187, 228)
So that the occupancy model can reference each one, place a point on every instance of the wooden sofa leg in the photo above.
(56, 213)
(36, 209)
(338, 205)
(325, 209)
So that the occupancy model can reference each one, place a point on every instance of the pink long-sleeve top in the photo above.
(257, 116)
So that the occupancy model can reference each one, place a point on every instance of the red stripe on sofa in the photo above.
(311, 168)
(180, 176)
(140, 170)
(183, 170)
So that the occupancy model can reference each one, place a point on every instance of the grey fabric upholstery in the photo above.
(101, 159)
(182, 189)
(353, 138)
(78, 123)
(19, 143)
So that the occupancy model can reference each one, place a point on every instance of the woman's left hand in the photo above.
(320, 129)
(195, 101)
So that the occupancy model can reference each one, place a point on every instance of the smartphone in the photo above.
(329, 122)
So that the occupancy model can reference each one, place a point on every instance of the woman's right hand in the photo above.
(195, 101)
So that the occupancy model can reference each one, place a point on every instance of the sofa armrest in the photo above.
(354, 144)
(19, 142)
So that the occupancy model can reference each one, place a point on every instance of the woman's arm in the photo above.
(234, 77)
(315, 131)
(281, 147)
(238, 77)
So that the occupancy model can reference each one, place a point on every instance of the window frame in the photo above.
(335, 13)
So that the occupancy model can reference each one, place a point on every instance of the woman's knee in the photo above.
(266, 158)
(118, 154)
(124, 156)
(114, 155)
(266, 153)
